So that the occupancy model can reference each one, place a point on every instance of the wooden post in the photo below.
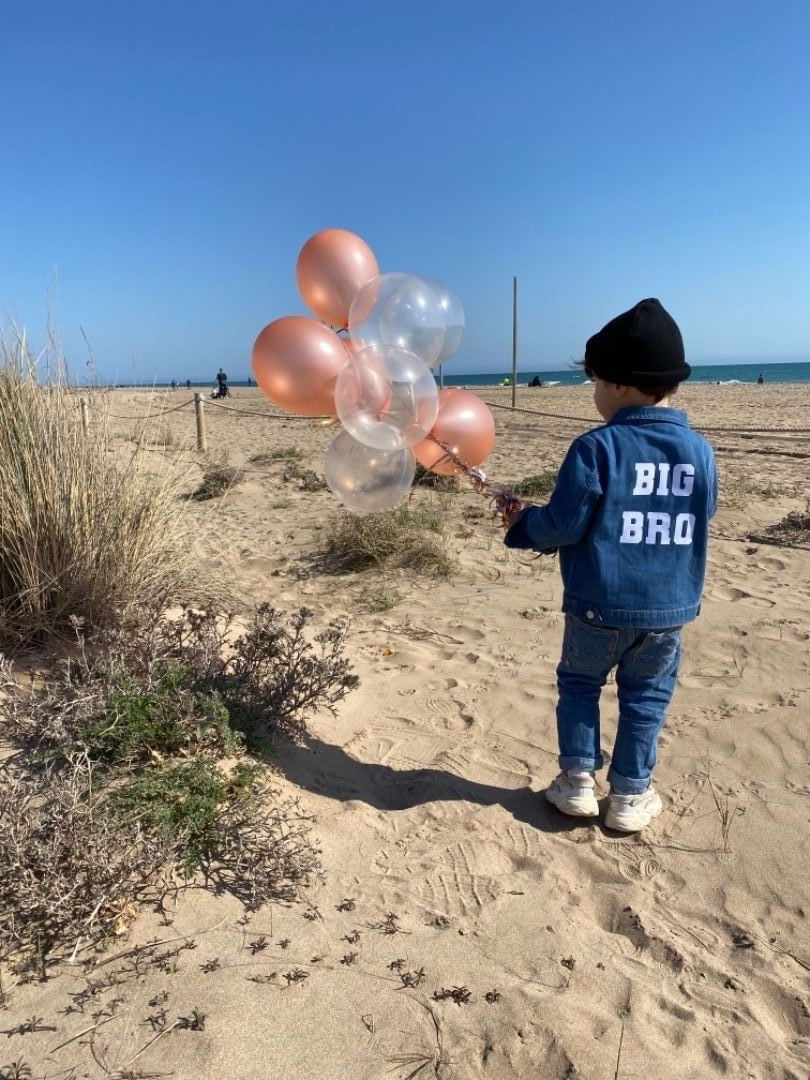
(514, 338)
(83, 407)
(441, 376)
(198, 409)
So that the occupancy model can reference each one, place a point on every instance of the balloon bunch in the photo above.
(369, 363)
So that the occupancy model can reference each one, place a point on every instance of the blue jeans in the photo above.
(646, 663)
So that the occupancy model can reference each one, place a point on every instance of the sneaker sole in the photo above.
(583, 808)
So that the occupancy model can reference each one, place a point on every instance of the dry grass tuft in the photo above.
(537, 486)
(81, 534)
(792, 531)
(396, 538)
(737, 490)
(425, 478)
(217, 480)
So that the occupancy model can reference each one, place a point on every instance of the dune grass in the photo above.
(84, 533)
(414, 539)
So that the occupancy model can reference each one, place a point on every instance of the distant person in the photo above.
(188, 384)
(536, 381)
(760, 379)
(174, 384)
(630, 517)
(222, 385)
(250, 381)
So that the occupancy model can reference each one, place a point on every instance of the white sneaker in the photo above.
(574, 793)
(631, 813)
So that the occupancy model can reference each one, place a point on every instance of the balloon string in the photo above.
(505, 503)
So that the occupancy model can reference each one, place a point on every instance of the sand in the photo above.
(570, 951)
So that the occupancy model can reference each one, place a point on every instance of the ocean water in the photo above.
(725, 374)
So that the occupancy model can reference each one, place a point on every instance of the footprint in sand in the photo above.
(771, 563)
(730, 592)
(629, 925)
(636, 869)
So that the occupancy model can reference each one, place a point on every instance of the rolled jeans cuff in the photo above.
(581, 764)
(625, 785)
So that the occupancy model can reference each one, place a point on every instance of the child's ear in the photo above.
(621, 390)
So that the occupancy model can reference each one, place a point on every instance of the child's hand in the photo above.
(508, 506)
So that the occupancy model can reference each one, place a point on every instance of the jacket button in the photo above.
(588, 614)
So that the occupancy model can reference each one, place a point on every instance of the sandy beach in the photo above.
(489, 936)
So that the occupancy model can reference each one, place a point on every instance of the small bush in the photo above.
(124, 781)
(216, 481)
(167, 717)
(425, 478)
(273, 674)
(77, 856)
(792, 531)
(304, 479)
(68, 869)
(182, 805)
(539, 486)
(396, 538)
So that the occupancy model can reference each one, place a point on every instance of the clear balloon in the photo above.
(296, 362)
(386, 397)
(465, 425)
(333, 265)
(454, 314)
(352, 347)
(367, 479)
(400, 310)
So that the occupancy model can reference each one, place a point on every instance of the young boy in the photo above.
(630, 516)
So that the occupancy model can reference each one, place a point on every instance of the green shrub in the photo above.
(164, 718)
(136, 766)
(182, 805)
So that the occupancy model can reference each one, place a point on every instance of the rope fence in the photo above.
(698, 427)
(199, 402)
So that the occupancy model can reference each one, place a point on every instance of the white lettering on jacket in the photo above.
(658, 526)
(683, 478)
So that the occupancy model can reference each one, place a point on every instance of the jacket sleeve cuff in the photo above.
(518, 535)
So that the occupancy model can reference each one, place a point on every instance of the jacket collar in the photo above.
(634, 414)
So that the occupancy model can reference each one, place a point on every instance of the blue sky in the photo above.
(164, 163)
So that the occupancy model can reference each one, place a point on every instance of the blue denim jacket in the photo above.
(630, 514)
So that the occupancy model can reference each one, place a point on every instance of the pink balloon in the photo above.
(465, 424)
(333, 266)
(296, 362)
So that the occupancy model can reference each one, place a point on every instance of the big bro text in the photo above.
(655, 526)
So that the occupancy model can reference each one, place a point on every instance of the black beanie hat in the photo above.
(641, 347)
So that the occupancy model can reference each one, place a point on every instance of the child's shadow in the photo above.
(328, 770)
